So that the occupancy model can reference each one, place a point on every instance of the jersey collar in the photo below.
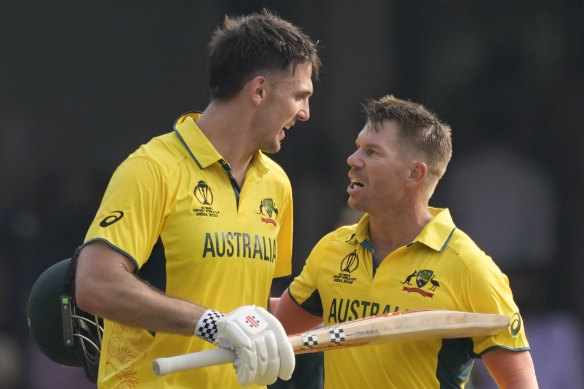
(196, 143)
(436, 234)
(361, 233)
(201, 149)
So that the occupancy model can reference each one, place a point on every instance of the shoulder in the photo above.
(274, 169)
(163, 148)
(470, 254)
(164, 152)
(342, 236)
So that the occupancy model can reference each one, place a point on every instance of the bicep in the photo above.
(293, 317)
(99, 267)
(98, 257)
(511, 369)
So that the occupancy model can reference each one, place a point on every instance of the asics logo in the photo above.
(111, 219)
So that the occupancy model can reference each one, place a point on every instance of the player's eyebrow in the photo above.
(368, 145)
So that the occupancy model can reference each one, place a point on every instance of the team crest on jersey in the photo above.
(425, 283)
(268, 208)
(349, 264)
(204, 195)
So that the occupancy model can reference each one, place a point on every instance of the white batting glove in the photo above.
(259, 340)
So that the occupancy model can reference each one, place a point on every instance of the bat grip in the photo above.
(218, 356)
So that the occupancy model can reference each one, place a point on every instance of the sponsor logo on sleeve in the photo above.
(111, 219)
(516, 324)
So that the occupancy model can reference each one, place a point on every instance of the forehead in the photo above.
(298, 77)
(384, 133)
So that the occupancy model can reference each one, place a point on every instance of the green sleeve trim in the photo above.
(119, 250)
(504, 348)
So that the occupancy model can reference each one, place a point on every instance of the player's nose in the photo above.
(353, 160)
(304, 112)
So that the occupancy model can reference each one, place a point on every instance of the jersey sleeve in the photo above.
(284, 258)
(132, 210)
(304, 288)
(490, 292)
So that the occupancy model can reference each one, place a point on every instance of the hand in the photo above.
(259, 340)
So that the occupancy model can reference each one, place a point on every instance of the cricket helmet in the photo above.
(63, 332)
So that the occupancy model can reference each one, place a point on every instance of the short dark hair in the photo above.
(245, 45)
(418, 126)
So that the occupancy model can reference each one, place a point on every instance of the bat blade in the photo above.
(398, 326)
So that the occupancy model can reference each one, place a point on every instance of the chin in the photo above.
(356, 205)
(271, 149)
(353, 204)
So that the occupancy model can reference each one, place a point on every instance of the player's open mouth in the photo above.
(356, 184)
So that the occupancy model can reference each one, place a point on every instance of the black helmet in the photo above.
(63, 332)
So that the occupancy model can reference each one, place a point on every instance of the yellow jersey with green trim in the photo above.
(441, 269)
(222, 246)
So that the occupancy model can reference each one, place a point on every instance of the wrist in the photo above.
(206, 327)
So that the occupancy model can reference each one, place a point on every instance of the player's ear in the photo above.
(418, 172)
(257, 89)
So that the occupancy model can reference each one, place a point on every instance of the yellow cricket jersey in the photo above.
(441, 269)
(222, 246)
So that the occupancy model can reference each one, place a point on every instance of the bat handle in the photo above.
(218, 356)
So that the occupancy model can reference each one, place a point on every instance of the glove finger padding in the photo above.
(285, 350)
(245, 365)
(271, 363)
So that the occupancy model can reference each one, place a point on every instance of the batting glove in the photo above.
(259, 340)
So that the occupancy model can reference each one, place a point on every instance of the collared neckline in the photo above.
(201, 149)
(362, 230)
(436, 234)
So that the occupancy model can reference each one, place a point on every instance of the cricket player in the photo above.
(222, 211)
(404, 255)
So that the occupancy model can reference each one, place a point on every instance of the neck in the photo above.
(227, 127)
(392, 230)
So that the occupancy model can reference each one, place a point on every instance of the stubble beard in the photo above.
(272, 148)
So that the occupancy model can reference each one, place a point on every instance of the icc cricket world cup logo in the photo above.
(350, 262)
(203, 193)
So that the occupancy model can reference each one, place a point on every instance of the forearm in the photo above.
(139, 305)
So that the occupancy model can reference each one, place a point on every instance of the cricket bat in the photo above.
(397, 326)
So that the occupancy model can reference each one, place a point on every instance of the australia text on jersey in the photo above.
(342, 310)
(239, 244)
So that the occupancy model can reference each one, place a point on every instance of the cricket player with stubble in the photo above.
(405, 255)
(222, 211)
